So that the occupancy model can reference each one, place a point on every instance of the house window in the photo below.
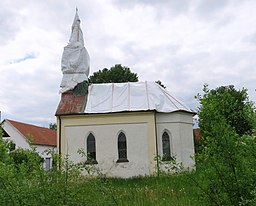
(122, 148)
(166, 147)
(91, 150)
(47, 163)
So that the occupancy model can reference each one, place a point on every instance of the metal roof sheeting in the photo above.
(131, 96)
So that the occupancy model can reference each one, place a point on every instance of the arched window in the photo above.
(91, 149)
(122, 148)
(166, 147)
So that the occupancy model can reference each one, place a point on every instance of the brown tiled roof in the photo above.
(71, 103)
(37, 135)
(197, 133)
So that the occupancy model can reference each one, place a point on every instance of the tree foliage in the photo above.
(4, 149)
(227, 163)
(53, 126)
(160, 83)
(231, 104)
(25, 156)
(115, 74)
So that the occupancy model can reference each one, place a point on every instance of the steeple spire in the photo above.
(75, 63)
(76, 31)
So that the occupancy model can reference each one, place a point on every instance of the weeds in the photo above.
(69, 187)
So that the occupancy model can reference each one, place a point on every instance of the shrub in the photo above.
(227, 164)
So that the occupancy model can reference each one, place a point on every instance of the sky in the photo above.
(182, 43)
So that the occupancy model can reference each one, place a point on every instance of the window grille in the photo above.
(122, 148)
(47, 163)
(91, 149)
(166, 147)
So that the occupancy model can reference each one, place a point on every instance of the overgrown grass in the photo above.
(158, 191)
(52, 189)
(24, 182)
(163, 190)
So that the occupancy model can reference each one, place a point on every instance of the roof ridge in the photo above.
(27, 124)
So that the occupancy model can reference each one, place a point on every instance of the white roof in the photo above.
(131, 96)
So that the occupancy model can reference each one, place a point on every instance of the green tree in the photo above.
(4, 149)
(25, 156)
(160, 83)
(227, 163)
(233, 105)
(53, 126)
(115, 74)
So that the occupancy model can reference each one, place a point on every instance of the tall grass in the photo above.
(25, 183)
(53, 188)
(159, 191)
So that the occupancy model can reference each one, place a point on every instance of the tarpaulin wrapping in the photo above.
(131, 96)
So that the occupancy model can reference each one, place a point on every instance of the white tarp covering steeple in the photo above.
(75, 62)
(132, 96)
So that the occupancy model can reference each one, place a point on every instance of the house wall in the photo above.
(179, 126)
(21, 142)
(139, 128)
(45, 152)
(15, 136)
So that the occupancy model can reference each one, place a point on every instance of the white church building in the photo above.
(121, 127)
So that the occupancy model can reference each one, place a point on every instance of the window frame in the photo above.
(47, 161)
(122, 147)
(91, 154)
(166, 146)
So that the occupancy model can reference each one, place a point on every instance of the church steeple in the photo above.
(76, 31)
(75, 63)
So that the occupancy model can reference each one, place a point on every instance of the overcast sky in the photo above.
(183, 43)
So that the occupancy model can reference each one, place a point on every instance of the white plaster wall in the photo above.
(21, 142)
(179, 127)
(45, 152)
(15, 136)
(106, 147)
(187, 142)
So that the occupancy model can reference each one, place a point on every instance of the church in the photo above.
(125, 129)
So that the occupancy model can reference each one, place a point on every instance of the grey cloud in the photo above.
(183, 66)
(211, 6)
(171, 7)
(31, 95)
(250, 39)
(224, 21)
(8, 24)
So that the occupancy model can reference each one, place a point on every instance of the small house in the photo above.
(27, 136)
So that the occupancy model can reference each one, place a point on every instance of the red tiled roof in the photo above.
(71, 103)
(37, 135)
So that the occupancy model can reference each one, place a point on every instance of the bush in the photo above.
(227, 164)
